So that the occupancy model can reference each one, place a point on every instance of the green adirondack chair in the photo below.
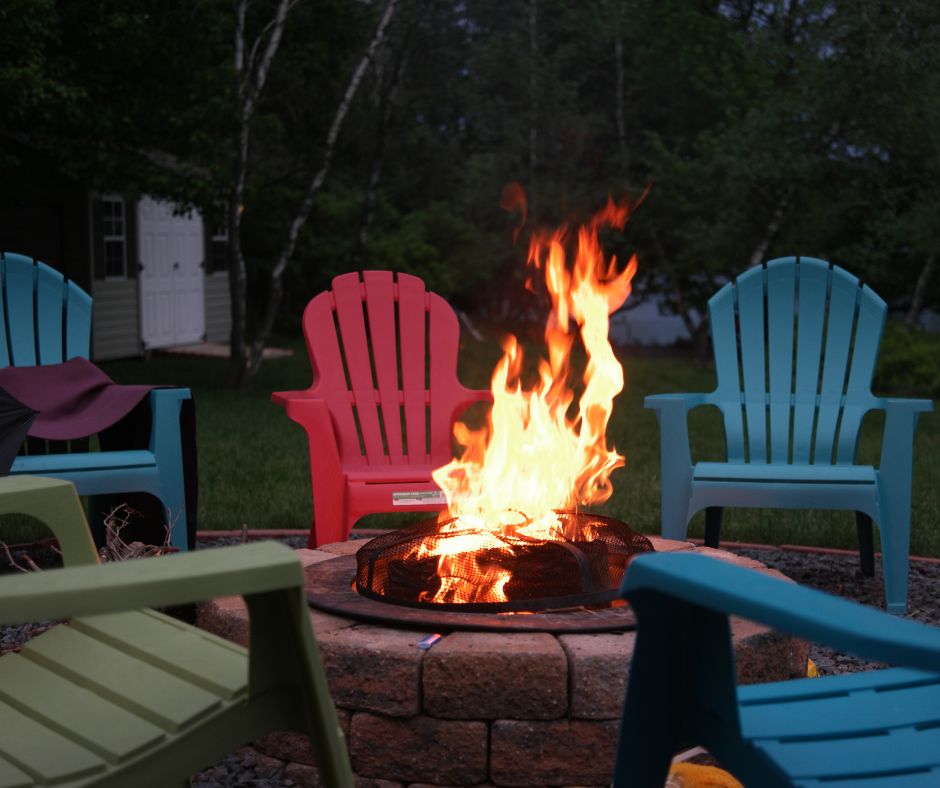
(126, 696)
(795, 343)
(876, 729)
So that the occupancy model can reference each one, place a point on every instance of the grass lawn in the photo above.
(253, 461)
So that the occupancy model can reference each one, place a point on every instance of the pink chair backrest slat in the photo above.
(347, 293)
(380, 307)
(412, 324)
(329, 374)
(444, 341)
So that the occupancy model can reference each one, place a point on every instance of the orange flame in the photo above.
(533, 459)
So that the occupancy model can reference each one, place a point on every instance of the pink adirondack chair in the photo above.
(392, 363)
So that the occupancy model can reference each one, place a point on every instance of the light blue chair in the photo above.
(795, 344)
(878, 728)
(46, 320)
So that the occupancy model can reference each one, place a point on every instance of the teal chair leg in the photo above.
(166, 445)
(713, 526)
(866, 544)
(895, 547)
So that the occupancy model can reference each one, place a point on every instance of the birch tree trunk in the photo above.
(246, 355)
(252, 64)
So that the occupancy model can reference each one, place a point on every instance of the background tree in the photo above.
(761, 128)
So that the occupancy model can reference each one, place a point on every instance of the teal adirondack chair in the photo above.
(880, 728)
(46, 320)
(124, 696)
(795, 344)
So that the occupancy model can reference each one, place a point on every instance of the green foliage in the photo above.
(780, 127)
(909, 362)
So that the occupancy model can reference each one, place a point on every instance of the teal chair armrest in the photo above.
(671, 412)
(721, 587)
(902, 405)
(897, 448)
(149, 582)
(673, 402)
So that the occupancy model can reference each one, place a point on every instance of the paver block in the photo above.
(421, 749)
(599, 665)
(373, 669)
(496, 675)
(559, 752)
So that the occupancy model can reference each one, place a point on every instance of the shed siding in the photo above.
(218, 308)
(116, 322)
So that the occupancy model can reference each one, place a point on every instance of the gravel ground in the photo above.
(836, 574)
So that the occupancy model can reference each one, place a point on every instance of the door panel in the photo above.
(171, 277)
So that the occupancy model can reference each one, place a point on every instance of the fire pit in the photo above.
(541, 574)
(527, 707)
(426, 699)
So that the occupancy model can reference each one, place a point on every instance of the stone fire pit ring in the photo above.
(524, 708)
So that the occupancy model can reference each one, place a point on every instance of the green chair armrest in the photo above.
(54, 502)
(150, 582)
(713, 584)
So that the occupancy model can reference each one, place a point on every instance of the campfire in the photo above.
(515, 535)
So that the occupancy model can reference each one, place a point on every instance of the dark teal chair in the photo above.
(45, 319)
(795, 344)
(878, 728)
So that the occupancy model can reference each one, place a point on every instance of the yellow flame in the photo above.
(533, 459)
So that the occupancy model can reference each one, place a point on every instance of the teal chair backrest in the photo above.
(43, 318)
(795, 345)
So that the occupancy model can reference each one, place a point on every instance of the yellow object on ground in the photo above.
(811, 671)
(694, 775)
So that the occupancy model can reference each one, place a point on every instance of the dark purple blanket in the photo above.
(74, 399)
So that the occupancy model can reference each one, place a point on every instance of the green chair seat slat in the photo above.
(19, 286)
(96, 724)
(781, 287)
(750, 287)
(160, 697)
(50, 301)
(44, 754)
(803, 474)
(900, 750)
(811, 717)
(811, 313)
(12, 777)
(194, 656)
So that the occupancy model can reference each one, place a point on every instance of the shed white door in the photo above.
(171, 275)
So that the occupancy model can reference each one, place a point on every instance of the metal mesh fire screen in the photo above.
(586, 569)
